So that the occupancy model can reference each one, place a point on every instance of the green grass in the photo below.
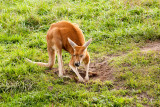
(116, 26)
(138, 71)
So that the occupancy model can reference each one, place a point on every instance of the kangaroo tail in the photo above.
(38, 63)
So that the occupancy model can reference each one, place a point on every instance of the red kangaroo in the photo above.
(67, 36)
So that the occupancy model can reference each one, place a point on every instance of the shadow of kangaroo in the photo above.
(67, 36)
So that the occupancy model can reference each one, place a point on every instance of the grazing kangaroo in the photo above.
(67, 36)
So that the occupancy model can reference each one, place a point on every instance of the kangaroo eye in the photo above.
(74, 55)
(81, 55)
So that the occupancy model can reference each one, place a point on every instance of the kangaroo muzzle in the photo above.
(77, 64)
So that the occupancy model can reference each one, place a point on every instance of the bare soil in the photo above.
(151, 46)
(99, 70)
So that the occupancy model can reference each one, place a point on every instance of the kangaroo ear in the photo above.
(87, 43)
(72, 43)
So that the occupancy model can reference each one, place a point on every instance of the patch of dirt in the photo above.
(97, 71)
(151, 46)
(104, 72)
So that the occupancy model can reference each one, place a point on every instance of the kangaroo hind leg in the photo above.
(51, 54)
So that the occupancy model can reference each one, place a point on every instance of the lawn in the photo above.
(119, 29)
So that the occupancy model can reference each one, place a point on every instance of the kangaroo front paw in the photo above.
(86, 78)
(60, 75)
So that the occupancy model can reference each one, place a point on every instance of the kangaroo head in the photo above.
(79, 52)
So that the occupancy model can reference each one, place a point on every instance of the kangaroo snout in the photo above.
(77, 64)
